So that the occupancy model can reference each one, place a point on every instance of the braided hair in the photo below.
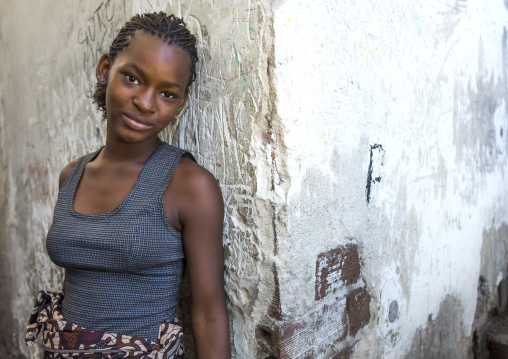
(169, 28)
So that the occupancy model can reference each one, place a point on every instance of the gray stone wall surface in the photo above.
(48, 55)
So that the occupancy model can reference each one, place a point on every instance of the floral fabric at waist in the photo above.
(62, 339)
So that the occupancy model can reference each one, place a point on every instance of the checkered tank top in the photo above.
(123, 268)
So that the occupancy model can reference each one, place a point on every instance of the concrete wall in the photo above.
(361, 150)
(393, 119)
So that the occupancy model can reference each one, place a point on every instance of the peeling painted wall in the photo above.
(360, 146)
(393, 118)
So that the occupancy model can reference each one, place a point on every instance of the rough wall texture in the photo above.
(360, 146)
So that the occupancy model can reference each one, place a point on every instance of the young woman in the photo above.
(133, 215)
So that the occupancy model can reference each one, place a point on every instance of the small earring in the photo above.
(102, 80)
(180, 109)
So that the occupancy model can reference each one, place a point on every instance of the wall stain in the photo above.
(443, 337)
(245, 84)
(494, 254)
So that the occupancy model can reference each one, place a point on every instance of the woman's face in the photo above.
(145, 87)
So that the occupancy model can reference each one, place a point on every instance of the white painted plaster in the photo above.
(390, 329)
(427, 81)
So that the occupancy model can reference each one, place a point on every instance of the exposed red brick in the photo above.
(260, 354)
(275, 309)
(266, 339)
(267, 137)
(346, 352)
(295, 339)
(38, 170)
(358, 310)
(336, 268)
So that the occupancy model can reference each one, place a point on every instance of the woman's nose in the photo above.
(145, 101)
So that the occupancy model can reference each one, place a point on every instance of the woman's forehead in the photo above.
(146, 46)
(152, 54)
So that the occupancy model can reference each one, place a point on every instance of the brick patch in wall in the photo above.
(275, 309)
(346, 352)
(358, 310)
(306, 336)
(336, 268)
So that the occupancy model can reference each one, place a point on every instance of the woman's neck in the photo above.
(133, 152)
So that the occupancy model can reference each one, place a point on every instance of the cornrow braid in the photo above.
(169, 28)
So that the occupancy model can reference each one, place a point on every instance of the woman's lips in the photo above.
(135, 123)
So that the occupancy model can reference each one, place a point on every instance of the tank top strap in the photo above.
(71, 183)
(159, 170)
(83, 161)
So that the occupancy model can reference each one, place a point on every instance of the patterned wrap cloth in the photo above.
(62, 339)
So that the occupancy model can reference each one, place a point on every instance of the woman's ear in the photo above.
(102, 69)
(184, 101)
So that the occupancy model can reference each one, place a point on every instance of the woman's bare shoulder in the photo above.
(66, 171)
(194, 178)
(194, 188)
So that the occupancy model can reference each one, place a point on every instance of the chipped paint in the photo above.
(337, 268)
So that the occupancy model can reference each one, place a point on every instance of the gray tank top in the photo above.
(123, 268)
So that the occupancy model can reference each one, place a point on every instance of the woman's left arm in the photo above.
(201, 214)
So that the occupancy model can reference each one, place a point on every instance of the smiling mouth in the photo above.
(136, 123)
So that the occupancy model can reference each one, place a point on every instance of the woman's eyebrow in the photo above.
(137, 68)
(140, 71)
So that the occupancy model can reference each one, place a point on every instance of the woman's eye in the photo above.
(132, 79)
(167, 95)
